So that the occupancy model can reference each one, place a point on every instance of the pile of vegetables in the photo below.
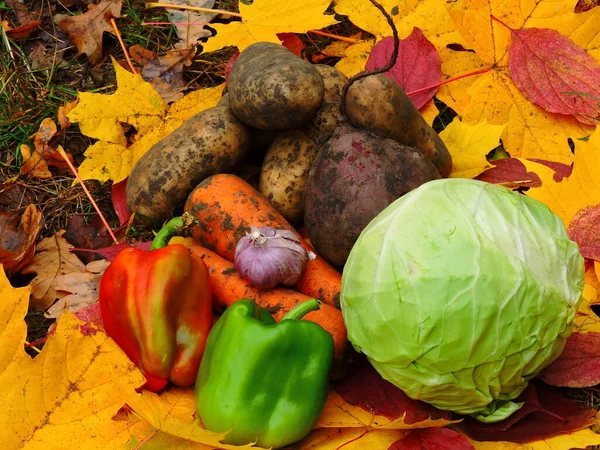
(457, 291)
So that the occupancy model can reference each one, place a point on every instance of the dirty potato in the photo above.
(379, 104)
(208, 143)
(321, 126)
(285, 171)
(273, 89)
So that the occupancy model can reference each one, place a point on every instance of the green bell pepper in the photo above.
(267, 382)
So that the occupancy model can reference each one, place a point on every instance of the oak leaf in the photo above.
(417, 66)
(555, 74)
(137, 104)
(66, 397)
(86, 30)
(580, 189)
(469, 144)
(52, 259)
(18, 234)
(262, 20)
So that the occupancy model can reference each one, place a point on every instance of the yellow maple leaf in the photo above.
(433, 19)
(355, 58)
(174, 412)
(575, 439)
(135, 102)
(111, 158)
(66, 396)
(468, 145)
(262, 20)
(531, 132)
(13, 329)
(580, 189)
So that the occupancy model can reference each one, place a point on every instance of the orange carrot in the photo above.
(228, 287)
(226, 206)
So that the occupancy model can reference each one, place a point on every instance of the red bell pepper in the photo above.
(157, 307)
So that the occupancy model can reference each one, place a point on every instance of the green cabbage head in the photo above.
(460, 292)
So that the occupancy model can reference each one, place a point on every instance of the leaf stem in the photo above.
(499, 21)
(118, 33)
(335, 36)
(62, 153)
(388, 66)
(192, 8)
(449, 80)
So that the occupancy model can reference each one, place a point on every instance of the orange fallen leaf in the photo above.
(37, 161)
(86, 30)
(33, 163)
(62, 112)
(52, 259)
(18, 233)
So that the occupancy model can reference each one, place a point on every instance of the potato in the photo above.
(379, 104)
(355, 175)
(285, 171)
(208, 143)
(273, 89)
(322, 125)
(260, 140)
(224, 100)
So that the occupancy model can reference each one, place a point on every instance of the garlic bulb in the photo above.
(267, 257)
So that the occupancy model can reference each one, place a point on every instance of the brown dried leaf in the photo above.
(43, 155)
(18, 234)
(33, 163)
(43, 56)
(190, 24)
(81, 286)
(52, 259)
(24, 16)
(164, 73)
(85, 31)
